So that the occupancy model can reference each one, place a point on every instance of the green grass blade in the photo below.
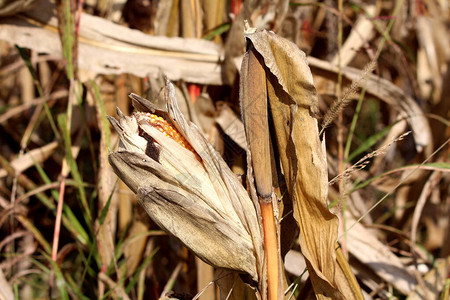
(67, 31)
(74, 286)
(36, 233)
(141, 267)
(217, 31)
(369, 142)
(69, 220)
(46, 179)
(62, 122)
(60, 281)
(105, 209)
(105, 123)
(38, 86)
(430, 166)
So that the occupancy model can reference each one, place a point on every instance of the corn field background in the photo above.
(70, 229)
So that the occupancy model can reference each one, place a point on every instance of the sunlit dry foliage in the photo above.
(303, 156)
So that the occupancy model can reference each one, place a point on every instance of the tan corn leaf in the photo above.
(214, 15)
(293, 101)
(347, 285)
(134, 250)
(362, 31)
(365, 247)
(32, 157)
(205, 278)
(232, 125)
(109, 48)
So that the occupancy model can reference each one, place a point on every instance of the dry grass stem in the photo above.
(363, 162)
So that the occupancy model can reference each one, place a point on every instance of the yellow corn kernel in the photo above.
(165, 127)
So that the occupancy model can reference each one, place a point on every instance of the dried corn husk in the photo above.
(190, 193)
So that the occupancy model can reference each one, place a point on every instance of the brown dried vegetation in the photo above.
(375, 117)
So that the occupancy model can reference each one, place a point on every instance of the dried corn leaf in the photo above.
(294, 262)
(361, 33)
(134, 250)
(377, 256)
(191, 19)
(293, 100)
(214, 15)
(426, 32)
(162, 19)
(106, 196)
(109, 48)
(232, 125)
(32, 157)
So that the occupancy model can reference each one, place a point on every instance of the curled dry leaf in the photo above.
(108, 48)
(231, 125)
(186, 187)
(30, 158)
(10, 8)
(293, 101)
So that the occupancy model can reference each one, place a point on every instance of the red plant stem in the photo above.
(78, 16)
(57, 231)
